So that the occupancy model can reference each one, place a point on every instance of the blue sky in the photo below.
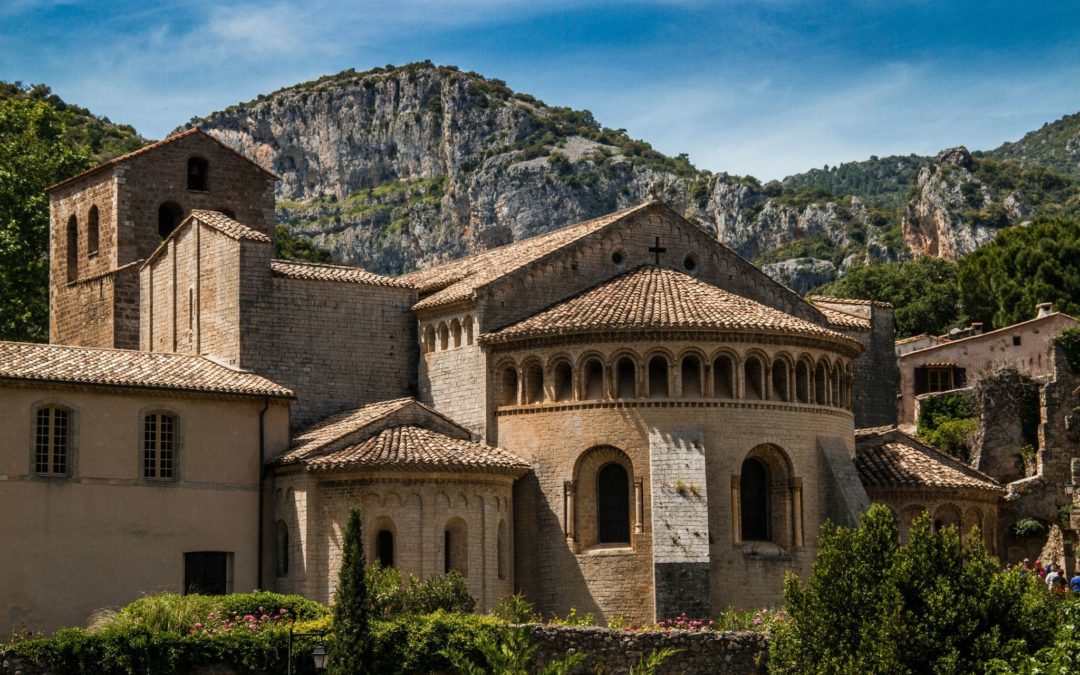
(768, 88)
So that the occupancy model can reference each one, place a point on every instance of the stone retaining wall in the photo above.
(616, 651)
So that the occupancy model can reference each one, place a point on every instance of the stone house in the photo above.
(621, 416)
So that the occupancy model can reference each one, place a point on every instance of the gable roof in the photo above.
(22, 361)
(652, 297)
(216, 221)
(412, 448)
(841, 320)
(944, 343)
(886, 457)
(295, 269)
(338, 426)
(150, 148)
(460, 279)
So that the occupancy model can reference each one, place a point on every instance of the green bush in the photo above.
(874, 606)
(935, 410)
(384, 591)
(954, 437)
(180, 614)
(1069, 341)
(415, 643)
(512, 653)
(1029, 527)
(446, 593)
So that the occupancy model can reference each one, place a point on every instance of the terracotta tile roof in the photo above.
(913, 338)
(148, 148)
(320, 272)
(888, 458)
(410, 448)
(459, 279)
(227, 226)
(849, 301)
(129, 368)
(338, 426)
(843, 320)
(657, 298)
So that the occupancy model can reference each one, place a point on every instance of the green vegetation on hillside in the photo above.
(884, 180)
(1056, 146)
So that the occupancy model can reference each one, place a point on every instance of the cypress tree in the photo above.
(351, 647)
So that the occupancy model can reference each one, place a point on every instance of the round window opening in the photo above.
(617, 257)
(689, 263)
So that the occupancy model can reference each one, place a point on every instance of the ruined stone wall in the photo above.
(563, 567)
(876, 376)
(416, 508)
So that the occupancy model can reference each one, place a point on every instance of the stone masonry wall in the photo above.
(450, 375)
(617, 651)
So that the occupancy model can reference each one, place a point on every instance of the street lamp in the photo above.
(318, 654)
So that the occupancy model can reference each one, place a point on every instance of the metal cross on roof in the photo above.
(657, 250)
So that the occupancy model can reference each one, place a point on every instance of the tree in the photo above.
(872, 605)
(922, 291)
(1001, 283)
(34, 153)
(350, 649)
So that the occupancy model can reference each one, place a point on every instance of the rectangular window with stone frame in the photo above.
(52, 441)
(159, 446)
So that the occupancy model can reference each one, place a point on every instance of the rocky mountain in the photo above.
(1055, 146)
(399, 168)
(884, 180)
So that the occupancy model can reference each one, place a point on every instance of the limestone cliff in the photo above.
(400, 168)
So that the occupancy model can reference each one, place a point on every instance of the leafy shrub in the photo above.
(384, 591)
(761, 620)
(511, 652)
(1069, 341)
(446, 593)
(572, 619)
(516, 609)
(873, 606)
(1028, 527)
(416, 643)
(954, 437)
(263, 602)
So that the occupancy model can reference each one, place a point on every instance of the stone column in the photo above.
(568, 510)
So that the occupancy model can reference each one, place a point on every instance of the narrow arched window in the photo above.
(384, 548)
(455, 330)
(468, 330)
(754, 500)
(508, 389)
(821, 385)
(780, 380)
(534, 383)
(691, 377)
(502, 550)
(612, 504)
(834, 380)
(93, 229)
(52, 441)
(429, 339)
(72, 249)
(282, 549)
(723, 377)
(594, 379)
(444, 336)
(563, 382)
(159, 446)
(456, 547)
(658, 377)
(802, 382)
(169, 216)
(755, 379)
(198, 171)
(625, 378)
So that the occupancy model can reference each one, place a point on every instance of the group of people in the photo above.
(1057, 581)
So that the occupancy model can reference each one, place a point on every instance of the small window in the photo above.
(456, 547)
(169, 216)
(444, 336)
(197, 174)
(625, 378)
(52, 441)
(502, 550)
(564, 381)
(658, 377)
(468, 330)
(754, 378)
(384, 548)
(455, 331)
(534, 383)
(613, 505)
(594, 379)
(282, 549)
(617, 257)
(206, 572)
(1016, 341)
(754, 501)
(72, 249)
(689, 264)
(508, 387)
(92, 232)
(159, 446)
(723, 377)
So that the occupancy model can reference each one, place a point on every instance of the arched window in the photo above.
(755, 379)
(169, 216)
(456, 547)
(612, 504)
(947, 515)
(802, 382)
(468, 330)
(508, 386)
(384, 548)
(52, 441)
(626, 378)
(429, 339)
(455, 330)
(594, 379)
(282, 549)
(834, 380)
(72, 249)
(658, 377)
(723, 377)
(780, 380)
(444, 336)
(502, 550)
(563, 381)
(534, 383)
(754, 500)
(691, 377)
(159, 446)
(198, 171)
(821, 384)
(93, 229)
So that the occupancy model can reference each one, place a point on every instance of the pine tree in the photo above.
(350, 651)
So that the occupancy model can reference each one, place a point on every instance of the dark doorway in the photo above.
(613, 505)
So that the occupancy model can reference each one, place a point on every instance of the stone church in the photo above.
(620, 416)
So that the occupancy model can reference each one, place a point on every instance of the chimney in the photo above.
(1045, 309)
(976, 327)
